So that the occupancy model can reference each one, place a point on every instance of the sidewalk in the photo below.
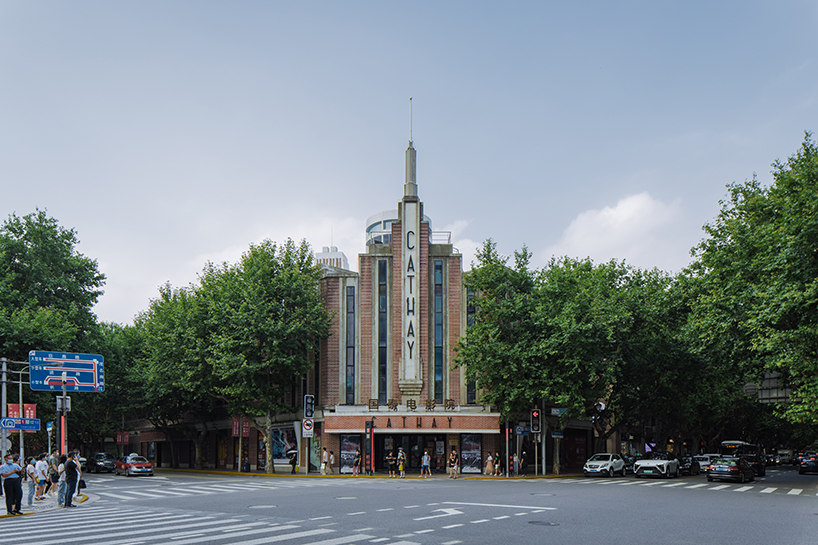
(49, 503)
(470, 476)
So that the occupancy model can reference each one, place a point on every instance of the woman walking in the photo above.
(489, 465)
(356, 463)
(453, 464)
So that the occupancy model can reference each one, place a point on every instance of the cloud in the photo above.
(638, 229)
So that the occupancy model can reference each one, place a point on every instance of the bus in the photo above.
(738, 449)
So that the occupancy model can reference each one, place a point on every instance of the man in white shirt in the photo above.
(41, 470)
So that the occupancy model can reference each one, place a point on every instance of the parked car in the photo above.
(604, 464)
(133, 464)
(809, 464)
(736, 469)
(704, 461)
(657, 464)
(757, 464)
(689, 465)
(796, 460)
(771, 460)
(101, 461)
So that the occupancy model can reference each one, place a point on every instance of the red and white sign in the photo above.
(29, 411)
(244, 423)
(306, 427)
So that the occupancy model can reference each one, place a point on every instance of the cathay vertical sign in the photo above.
(411, 267)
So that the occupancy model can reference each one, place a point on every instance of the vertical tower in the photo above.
(410, 212)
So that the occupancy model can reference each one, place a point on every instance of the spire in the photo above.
(410, 188)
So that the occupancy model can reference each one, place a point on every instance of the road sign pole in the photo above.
(64, 419)
(4, 409)
(22, 414)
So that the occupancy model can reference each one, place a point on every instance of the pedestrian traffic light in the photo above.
(309, 406)
(535, 421)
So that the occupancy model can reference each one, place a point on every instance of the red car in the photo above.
(133, 464)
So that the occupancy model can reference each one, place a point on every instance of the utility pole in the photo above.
(3, 433)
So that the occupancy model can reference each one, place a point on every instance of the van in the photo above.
(785, 455)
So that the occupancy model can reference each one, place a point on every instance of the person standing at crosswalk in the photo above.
(324, 461)
(41, 467)
(331, 462)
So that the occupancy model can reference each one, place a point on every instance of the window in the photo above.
(471, 387)
(382, 330)
(438, 373)
(350, 346)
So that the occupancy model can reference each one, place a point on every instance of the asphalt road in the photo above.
(182, 508)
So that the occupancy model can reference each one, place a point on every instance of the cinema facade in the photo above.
(384, 379)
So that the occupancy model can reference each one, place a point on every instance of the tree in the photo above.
(175, 372)
(267, 320)
(47, 288)
(758, 269)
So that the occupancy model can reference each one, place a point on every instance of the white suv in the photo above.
(604, 464)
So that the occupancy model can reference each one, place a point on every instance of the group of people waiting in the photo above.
(55, 475)
(516, 465)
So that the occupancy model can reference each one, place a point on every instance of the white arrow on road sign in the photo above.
(447, 513)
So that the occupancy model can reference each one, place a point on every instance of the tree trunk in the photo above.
(556, 466)
(268, 441)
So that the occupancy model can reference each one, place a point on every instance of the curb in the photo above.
(349, 476)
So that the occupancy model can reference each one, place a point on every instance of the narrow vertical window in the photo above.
(350, 346)
(471, 387)
(438, 374)
(382, 330)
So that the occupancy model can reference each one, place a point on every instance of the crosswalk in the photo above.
(715, 486)
(173, 491)
(119, 525)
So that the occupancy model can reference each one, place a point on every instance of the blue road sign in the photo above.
(24, 424)
(83, 372)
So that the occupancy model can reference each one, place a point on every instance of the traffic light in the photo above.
(309, 406)
(535, 421)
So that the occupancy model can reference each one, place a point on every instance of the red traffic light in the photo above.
(535, 414)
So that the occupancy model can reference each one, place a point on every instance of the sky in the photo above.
(170, 134)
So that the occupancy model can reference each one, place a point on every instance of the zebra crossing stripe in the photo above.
(341, 540)
(261, 541)
(769, 490)
(795, 491)
(743, 488)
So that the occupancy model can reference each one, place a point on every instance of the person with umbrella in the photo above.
(293, 454)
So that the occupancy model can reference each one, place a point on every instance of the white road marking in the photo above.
(672, 485)
(795, 491)
(356, 513)
(502, 517)
(340, 540)
(499, 505)
(424, 531)
(696, 486)
(117, 496)
(450, 526)
(478, 521)
(719, 487)
(379, 540)
(387, 509)
(743, 488)
(769, 490)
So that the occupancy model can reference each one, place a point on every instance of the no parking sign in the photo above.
(306, 427)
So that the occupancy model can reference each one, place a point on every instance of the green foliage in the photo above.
(268, 320)
(757, 300)
(47, 288)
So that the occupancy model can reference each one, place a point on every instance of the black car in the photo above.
(808, 464)
(101, 461)
(688, 465)
(736, 469)
(758, 465)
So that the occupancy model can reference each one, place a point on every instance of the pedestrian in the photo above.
(424, 465)
(12, 484)
(293, 460)
(453, 464)
(72, 476)
(402, 463)
(331, 462)
(324, 461)
(524, 465)
(489, 465)
(61, 480)
(498, 465)
(356, 463)
(390, 460)
(31, 480)
(42, 474)
(53, 474)
(516, 464)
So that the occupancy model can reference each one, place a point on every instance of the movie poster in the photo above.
(349, 444)
(471, 453)
(283, 441)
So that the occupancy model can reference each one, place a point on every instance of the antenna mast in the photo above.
(410, 119)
